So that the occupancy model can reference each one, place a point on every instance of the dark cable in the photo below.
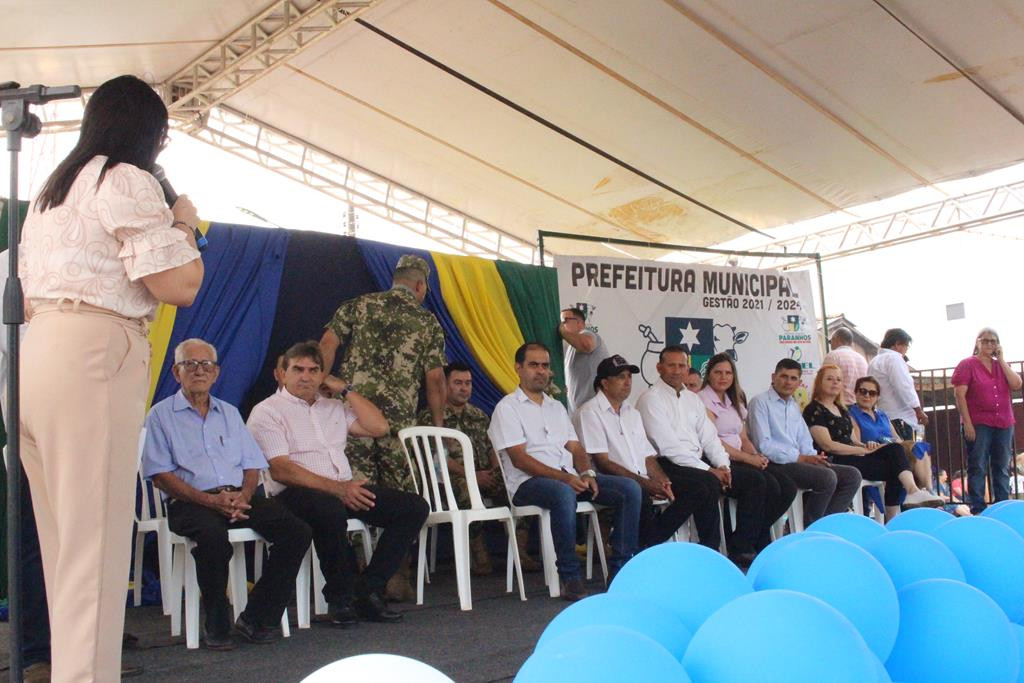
(547, 124)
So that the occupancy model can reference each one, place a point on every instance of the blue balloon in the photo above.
(924, 520)
(986, 549)
(1011, 515)
(846, 577)
(1000, 505)
(778, 635)
(986, 649)
(628, 611)
(776, 546)
(690, 580)
(910, 556)
(854, 528)
(882, 674)
(1018, 630)
(601, 654)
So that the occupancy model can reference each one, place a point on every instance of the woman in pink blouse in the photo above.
(982, 386)
(101, 250)
(727, 408)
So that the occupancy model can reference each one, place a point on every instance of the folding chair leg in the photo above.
(303, 581)
(513, 560)
(137, 570)
(460, 541)
(421, 563)
(164, 554)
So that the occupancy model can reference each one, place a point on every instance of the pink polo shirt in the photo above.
(988, 393)
(728, 418)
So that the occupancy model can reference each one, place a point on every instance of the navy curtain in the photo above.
(381, 260)
(235, 307)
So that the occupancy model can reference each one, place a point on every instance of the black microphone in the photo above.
(170, 196)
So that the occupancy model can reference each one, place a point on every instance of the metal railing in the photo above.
(943, 431)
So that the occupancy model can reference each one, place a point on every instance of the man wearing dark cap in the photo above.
(612, 432)
(392, 346)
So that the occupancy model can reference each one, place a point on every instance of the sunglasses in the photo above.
(867, 392)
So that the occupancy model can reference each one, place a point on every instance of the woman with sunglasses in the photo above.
(836, 433)
(981, 387)
(101, 250)
(727, 407)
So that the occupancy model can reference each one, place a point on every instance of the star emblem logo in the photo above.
(689, 336)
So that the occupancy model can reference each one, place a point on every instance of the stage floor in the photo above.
(489, 643)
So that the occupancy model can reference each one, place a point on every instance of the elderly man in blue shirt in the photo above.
(778, 430)
(201, 455)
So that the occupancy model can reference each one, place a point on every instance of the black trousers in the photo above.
(762, 496)
(696, 493)
(884, 464)
(35, 621)
(400, 515)
(289, 538)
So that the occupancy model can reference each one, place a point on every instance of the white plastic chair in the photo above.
(547, 544)
(431, 457)
(152, 519)
(310, 573)
(184, 577)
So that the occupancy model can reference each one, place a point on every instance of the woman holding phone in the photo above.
(981, 385)
(101, 250)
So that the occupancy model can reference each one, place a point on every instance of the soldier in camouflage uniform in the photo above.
(393, 344)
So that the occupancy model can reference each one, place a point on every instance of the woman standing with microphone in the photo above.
(100, 251)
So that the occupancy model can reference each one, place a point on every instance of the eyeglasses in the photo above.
(867, 392)
(193, 365)
(988, 341)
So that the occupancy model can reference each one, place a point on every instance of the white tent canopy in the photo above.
(770, 111)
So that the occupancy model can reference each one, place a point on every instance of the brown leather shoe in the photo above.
(36, 673)
(529, 564)
(574, 590)
(479, 558)
(399, 588)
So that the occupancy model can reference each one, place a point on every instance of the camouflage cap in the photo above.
(415, 262)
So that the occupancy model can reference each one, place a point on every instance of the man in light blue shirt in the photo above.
(778, 430)
(201, 455)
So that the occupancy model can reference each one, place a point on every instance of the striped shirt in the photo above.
(853, 365)
(313, 436)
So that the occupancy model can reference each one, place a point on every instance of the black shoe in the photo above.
(260, 635)
(131, 671)
(373, 607)
(574, 590)
(342, 616)
(219, 642)
(742, 560)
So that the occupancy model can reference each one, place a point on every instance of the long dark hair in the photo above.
(734, 392)
(125, 121)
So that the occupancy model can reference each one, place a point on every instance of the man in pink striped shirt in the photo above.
(303, 436)
(849, 360)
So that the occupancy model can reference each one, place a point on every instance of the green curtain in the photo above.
(23, 209)
(533, 293)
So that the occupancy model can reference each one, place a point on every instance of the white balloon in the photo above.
(378, 668)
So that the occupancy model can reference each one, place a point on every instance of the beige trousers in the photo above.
(84, 378)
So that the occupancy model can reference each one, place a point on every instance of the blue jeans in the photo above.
(620, 494)
(991, 449)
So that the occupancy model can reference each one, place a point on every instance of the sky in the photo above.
(907, 286)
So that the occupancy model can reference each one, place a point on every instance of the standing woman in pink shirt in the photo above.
(982, 386)
(100, 251)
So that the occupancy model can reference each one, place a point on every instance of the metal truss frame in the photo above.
(253, 50)
(955, 214)
(294, 158)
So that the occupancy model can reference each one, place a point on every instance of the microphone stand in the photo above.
(19, 123)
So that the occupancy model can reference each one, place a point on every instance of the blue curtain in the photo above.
(381, 260)
(235, 307)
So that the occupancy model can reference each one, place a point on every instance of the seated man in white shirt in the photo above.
(303, 435)
(545, 465)
(677, 424)
(613, 434)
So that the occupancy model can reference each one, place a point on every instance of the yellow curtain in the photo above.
(160, 335)
(475, 296)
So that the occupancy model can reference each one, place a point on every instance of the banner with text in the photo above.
(640, 307)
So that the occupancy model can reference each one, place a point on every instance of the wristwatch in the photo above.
(589, 473)
(343, 393)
